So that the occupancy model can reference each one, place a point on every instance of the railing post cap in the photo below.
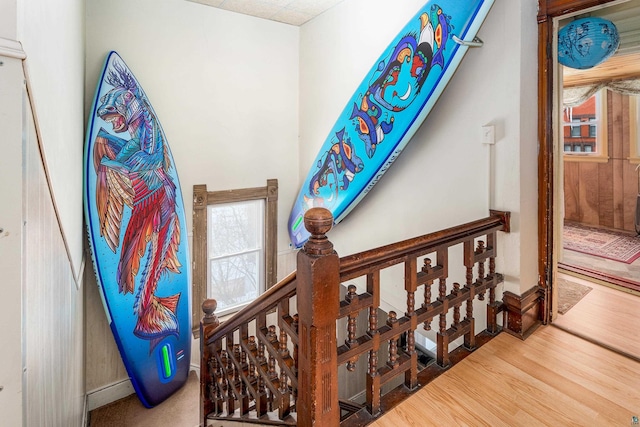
(318, 222)
(209, 307)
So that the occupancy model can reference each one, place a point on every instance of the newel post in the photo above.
(208, 324)
(318, 276)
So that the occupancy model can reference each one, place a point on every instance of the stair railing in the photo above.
(270, 366)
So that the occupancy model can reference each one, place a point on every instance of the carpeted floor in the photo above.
(602, 243)
(569, 294)
(180, 410)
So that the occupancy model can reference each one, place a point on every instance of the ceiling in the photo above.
(625, 63)
(293, 12)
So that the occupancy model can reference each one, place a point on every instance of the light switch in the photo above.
(488, 134)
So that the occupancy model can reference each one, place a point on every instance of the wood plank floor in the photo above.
(551, 379)
(607, 316)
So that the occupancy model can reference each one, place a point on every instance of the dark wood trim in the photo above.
(549, 9)
(553, 8)
(524, 313)
(599, 275)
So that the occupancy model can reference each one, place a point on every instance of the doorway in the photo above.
(551, 159)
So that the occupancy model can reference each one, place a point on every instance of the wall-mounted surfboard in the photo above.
(387, 108)
(137, 234)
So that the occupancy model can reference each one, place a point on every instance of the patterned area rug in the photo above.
(601, 243)
(569, 293)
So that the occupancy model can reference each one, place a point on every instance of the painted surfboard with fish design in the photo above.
(137, 234)
(387, 108)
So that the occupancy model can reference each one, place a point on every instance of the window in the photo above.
(236, 253)
(585, 130)
(234, 246)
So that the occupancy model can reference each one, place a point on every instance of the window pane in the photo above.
(235, 227)
(235, 280)
(575, 130)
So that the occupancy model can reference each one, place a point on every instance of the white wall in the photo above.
(442, 177)
(225, 88)
(8, 27)
(11, 240)
(42, 377)
(52, 36)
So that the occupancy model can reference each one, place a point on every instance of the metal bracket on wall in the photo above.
(476, 42)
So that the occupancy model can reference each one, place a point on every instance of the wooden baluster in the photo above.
(272, 368)
(351, 340)
(271, 333)
(427, 268)
(244, 407)
(442, 297)
(456, 308)
(480, 250)
(284, 408)
(318, 277)
(222, 380)
(214, 389)
(284, 350)
(373, 379)
(352, 326)
(411, 286)
(393, 342)
(261, 401)
(442, 351)
(273, 376)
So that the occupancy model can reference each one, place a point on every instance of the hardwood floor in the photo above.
(551, 379)
(606, 316)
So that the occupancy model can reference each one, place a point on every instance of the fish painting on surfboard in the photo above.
(387, 108)
(137, 234)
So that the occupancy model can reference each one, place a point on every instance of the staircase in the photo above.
(319, 349)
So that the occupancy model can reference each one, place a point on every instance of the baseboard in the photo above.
(108, 394)
(115, 391)
(85, 412)
(524, 312)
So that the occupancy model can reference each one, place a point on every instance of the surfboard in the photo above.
(387, 108)
(136, 224)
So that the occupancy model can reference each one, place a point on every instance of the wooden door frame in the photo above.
(547, 11)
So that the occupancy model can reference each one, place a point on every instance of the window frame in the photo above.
(200, 263)
(602, 144)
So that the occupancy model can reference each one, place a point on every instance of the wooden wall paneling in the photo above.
(615, 125)
(630, 194)
(618, 193)
(626, 127)
(589, 193)
(572, 191)
(605, 194)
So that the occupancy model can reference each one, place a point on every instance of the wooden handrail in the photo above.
(286, 373)
(352, 265)
(283, 289)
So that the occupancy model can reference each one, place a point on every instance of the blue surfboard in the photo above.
(387, 108)
(137, 234)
